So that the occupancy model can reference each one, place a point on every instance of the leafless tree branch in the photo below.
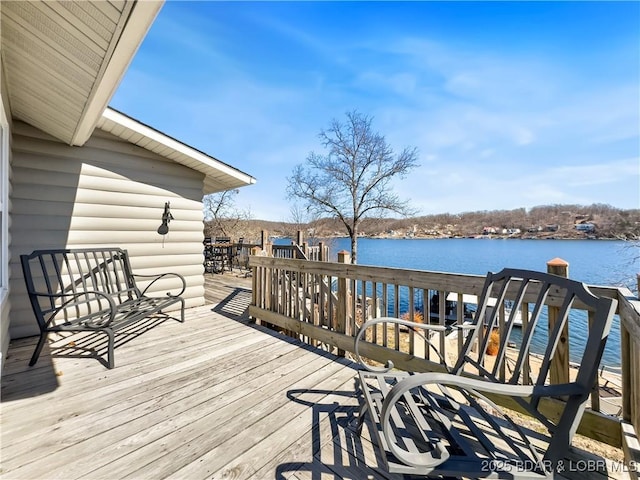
(353, 179)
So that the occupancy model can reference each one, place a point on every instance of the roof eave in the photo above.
(216, 172)
(141, 17)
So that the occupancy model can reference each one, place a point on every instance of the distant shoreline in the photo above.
(483, 237)
(547, 222)
(487, 237)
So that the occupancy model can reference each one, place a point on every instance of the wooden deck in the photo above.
(215, 397)
(228, 287)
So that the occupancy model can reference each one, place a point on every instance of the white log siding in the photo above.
(106, 193)
(6, 303)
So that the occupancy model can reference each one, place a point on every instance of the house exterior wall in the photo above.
(5, 301)
(106, 193)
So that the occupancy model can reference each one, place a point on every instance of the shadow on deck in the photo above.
(215, 397)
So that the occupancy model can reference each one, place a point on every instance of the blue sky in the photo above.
(509, 104)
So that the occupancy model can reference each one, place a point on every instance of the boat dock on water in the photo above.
(470, 305)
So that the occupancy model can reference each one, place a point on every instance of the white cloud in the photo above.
(599, 174)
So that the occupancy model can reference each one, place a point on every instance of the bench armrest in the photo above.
(416, 327)
(97, 319)
(163, 275)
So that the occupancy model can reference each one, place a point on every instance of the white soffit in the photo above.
(218, 175)
(63, 60)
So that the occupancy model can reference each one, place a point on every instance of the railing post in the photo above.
(255, 284)
(343, 294)
(321, 255)
(264, 242)
(559, 372)
(630, 395)
(627, 395)
(634, 373)
(299, 237)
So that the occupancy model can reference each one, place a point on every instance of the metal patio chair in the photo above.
(448, 424)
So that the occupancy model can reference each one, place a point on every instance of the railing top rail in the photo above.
(294, 249)
(445, 281)
(629, 308)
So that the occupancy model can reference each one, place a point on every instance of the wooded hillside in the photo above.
(549, 221)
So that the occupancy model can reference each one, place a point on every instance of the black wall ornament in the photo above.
(163, 229)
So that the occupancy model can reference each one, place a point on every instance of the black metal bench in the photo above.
(90, 290)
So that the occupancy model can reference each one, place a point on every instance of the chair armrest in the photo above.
(471, 385)
(413, 325)
(163, 275)
(465, 383)
(478, 385)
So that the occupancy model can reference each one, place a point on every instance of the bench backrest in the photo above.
(49, 274)
(544, 296)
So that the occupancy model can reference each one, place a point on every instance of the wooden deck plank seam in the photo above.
(24, 347)
(214, 414)
(191, 380)
(158, 368)
(109, 428)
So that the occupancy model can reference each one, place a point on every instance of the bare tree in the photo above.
(352, 180)
(222, 216)
(306, 221)
(299, 220)
(632, 246)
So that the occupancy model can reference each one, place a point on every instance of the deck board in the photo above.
(215, 397)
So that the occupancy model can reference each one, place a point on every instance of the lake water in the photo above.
(595, 262)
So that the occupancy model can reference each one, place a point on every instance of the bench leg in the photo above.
(110, 348)
(38, 350)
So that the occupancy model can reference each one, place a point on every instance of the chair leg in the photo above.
(38, 350)
(217, 265)
(361, 413)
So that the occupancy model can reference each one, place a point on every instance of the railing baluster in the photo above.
(442, 317)
(595, 392)
(352, 306)
(396, 313)
(412, 346)
(385, 339)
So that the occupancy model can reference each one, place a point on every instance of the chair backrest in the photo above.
(536, 296)
(55, 278)
(522, 298)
